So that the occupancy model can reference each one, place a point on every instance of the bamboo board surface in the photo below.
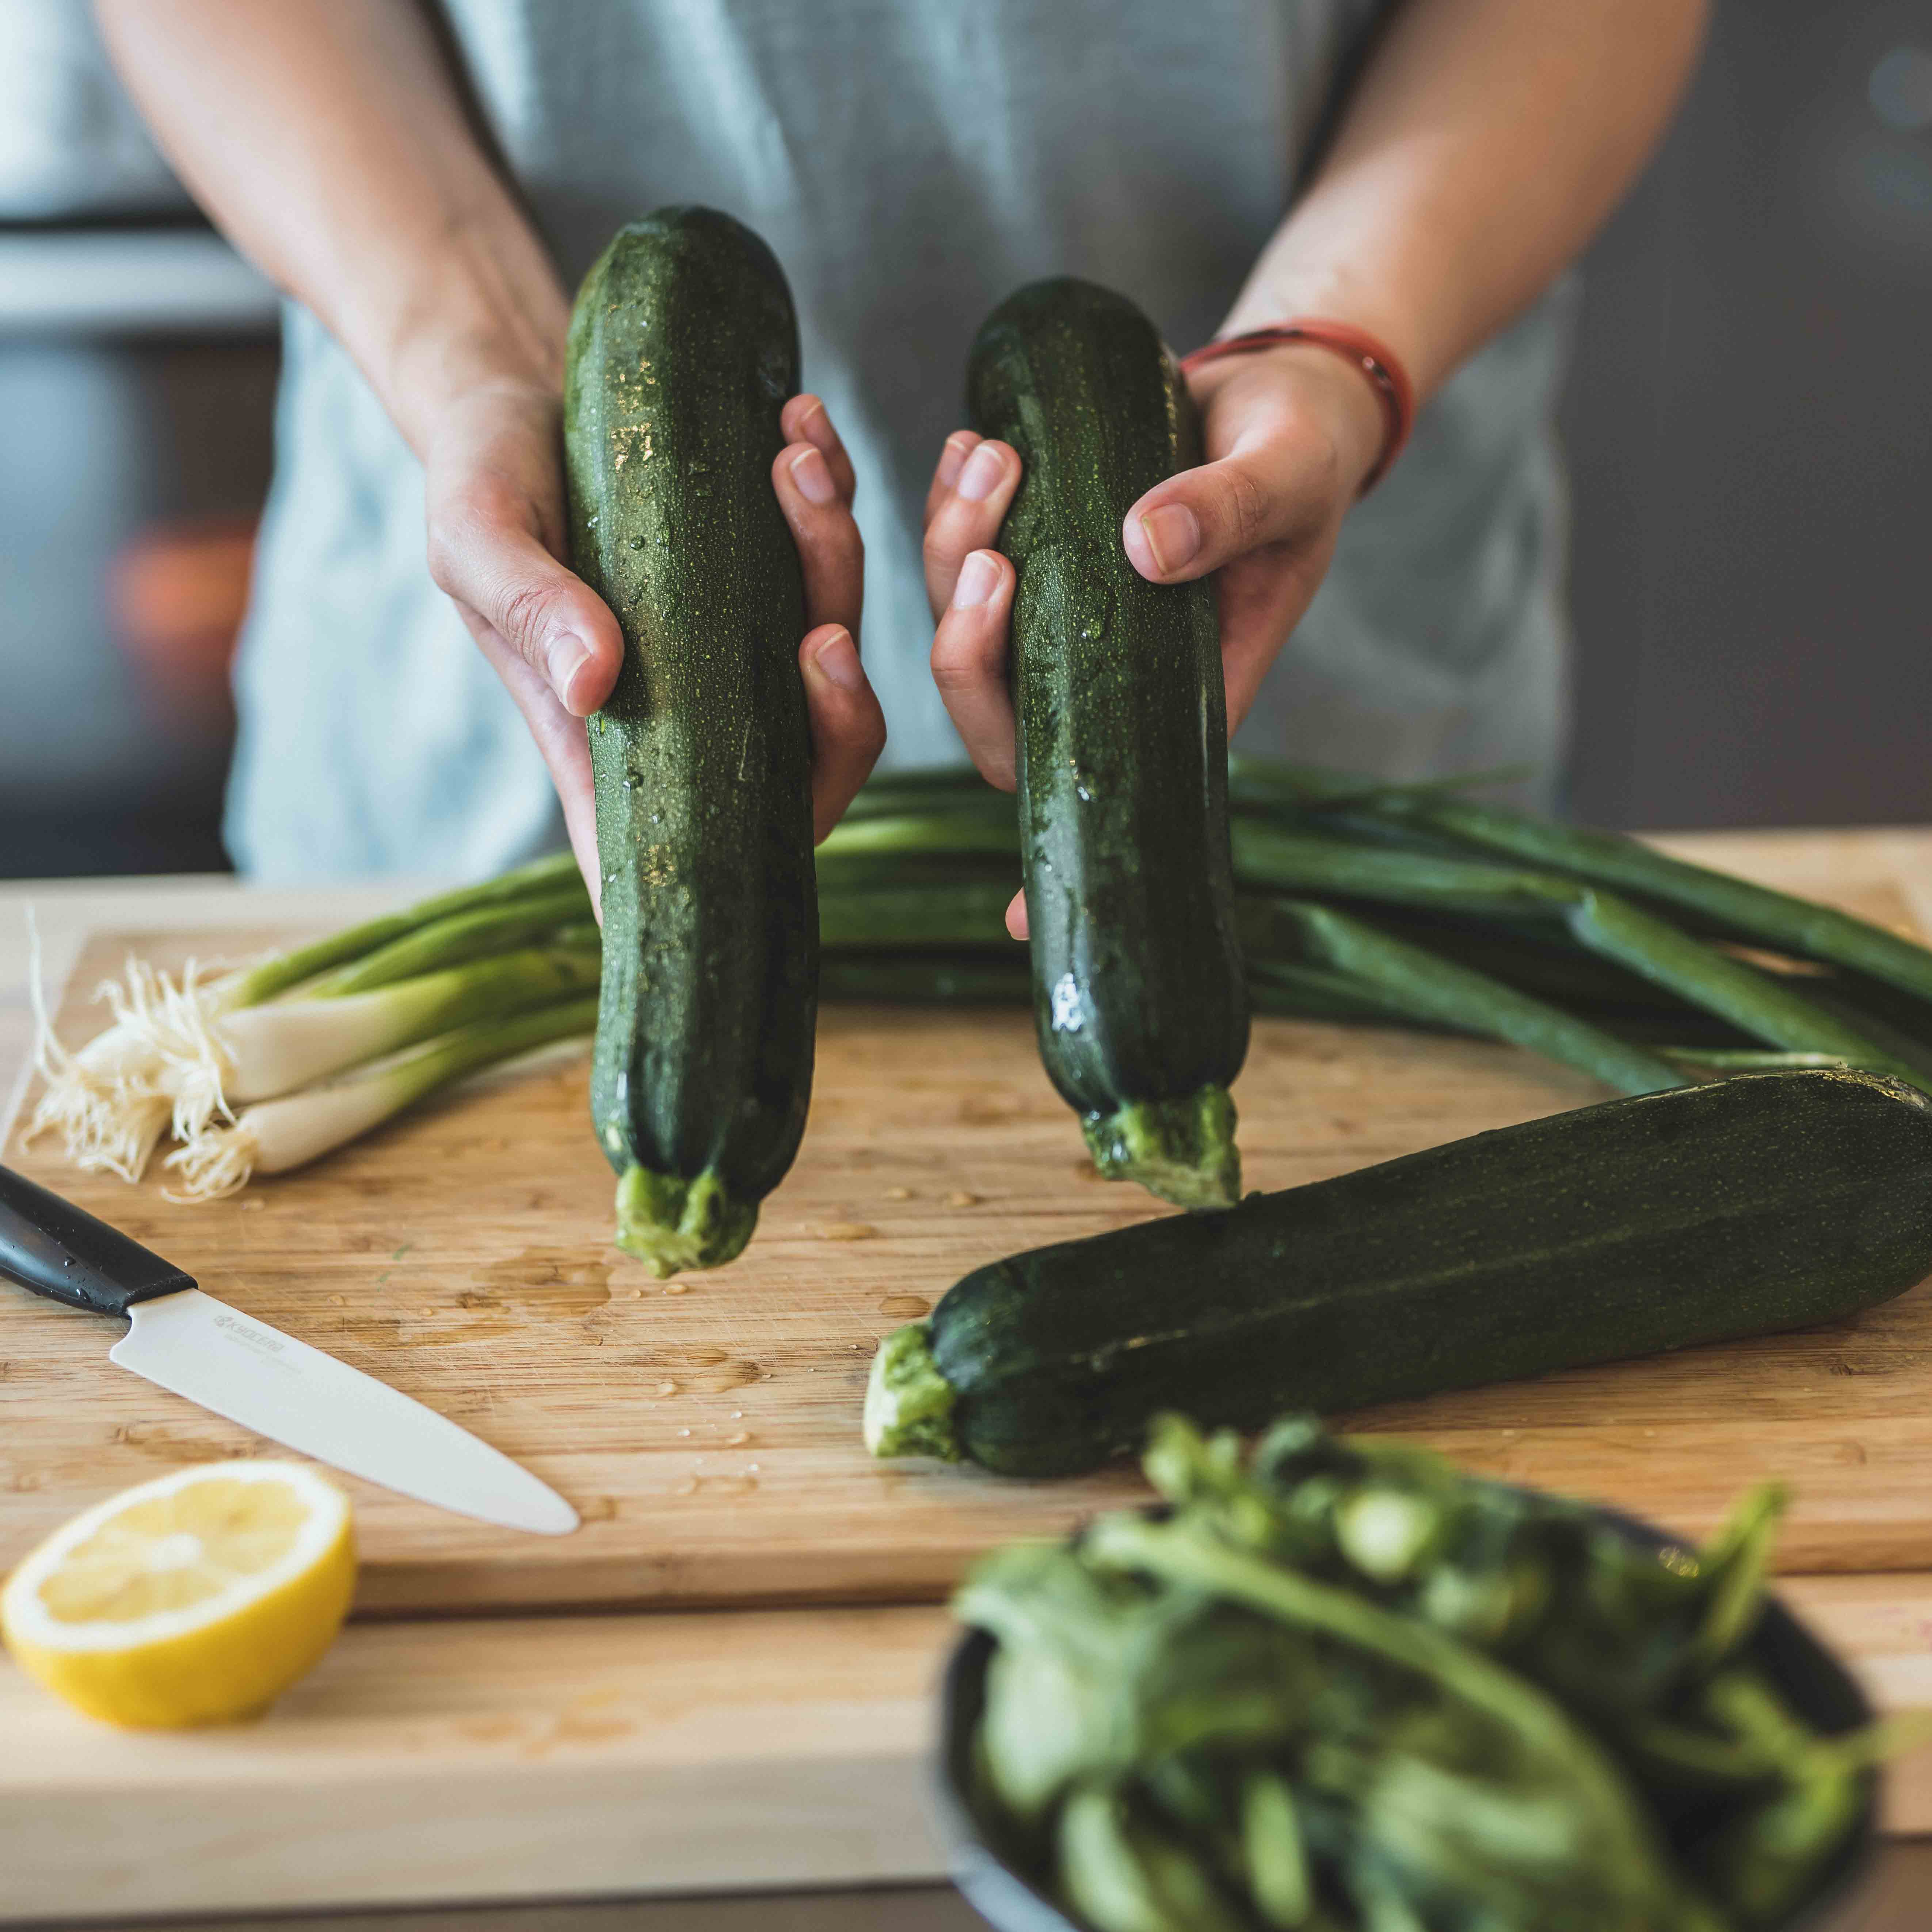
(710, 1437)
(550, 1757)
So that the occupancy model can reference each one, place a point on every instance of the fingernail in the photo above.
(953, 458)
(813, 477)
(837, 659)
(981, 476)
(978, 576)
(564, 657)
(1173, 536)
(816, 429)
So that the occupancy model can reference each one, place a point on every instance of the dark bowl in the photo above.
(1816, 1683)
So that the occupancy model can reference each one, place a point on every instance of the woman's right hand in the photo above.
(497, 537)
(333, 145)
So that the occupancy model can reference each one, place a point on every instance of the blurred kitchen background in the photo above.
(1749, 421)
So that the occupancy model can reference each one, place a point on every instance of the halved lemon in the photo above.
(195, 1599)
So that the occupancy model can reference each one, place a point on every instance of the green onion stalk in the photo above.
(1360, 901)
(1739, 909)
(275, 1135)
(1756, 1004)
(160, 1062)
(283, 1046)
(1420, 985)
(459, 938)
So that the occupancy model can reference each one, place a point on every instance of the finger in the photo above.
(484, 554)
(831, 554)
(562, 740)
(1261, 598)
(848, 729)
(970, 517)
(1016, 918)
(1268, 489)
(969, 664)
(806, 419)
(952, 455)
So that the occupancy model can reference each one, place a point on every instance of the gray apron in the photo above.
(911, 162)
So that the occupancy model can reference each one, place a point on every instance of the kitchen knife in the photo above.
(189, 1342)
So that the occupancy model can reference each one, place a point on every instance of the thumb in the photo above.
(552, 619)
(1195, 522)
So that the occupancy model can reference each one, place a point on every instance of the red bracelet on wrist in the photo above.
(1374, 357)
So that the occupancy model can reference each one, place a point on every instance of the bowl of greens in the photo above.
(1339, 1686)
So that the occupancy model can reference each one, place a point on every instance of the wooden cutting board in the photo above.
(708, 1428)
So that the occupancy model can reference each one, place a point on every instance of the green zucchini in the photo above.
(1138, 992)
(683, 349)
(1769, 1201)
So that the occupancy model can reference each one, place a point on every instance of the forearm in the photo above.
(327, 139)
(1486, 141)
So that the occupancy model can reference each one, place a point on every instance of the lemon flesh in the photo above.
(196, 1599)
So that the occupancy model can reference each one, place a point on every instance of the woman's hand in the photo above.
(496, 531)
(1289, 433)
(330, 140)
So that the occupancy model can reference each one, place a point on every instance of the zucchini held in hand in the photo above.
(1769, 1201)
(683, 348)
(1138, 993)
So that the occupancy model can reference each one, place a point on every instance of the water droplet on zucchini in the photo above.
(1069, 1007)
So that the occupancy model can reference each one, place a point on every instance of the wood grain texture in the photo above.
(496, 1758)
(709, 1436)
(560, 1757)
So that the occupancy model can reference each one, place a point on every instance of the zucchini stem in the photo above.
(671, 1224)
(1182, 1150)
(908, 1402)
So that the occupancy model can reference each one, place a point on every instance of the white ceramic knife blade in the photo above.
(196, 1346)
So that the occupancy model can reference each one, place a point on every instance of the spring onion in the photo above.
(111, 1100)
(1429, 988)
(540, 877)
(1741, 910)
(263, 1051)
(451, 941)
(1754, 1002)
(275, 1135)
(937, 978)
(966, 916)
(1361, 901)
(103, 1099)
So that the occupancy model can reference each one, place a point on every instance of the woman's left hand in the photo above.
(494, 485)
(1290, 433)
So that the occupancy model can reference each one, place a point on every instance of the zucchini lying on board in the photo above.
(1769, 1201)
(682, 349)
(1138, 992)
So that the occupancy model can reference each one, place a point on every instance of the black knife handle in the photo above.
(60, 1251)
